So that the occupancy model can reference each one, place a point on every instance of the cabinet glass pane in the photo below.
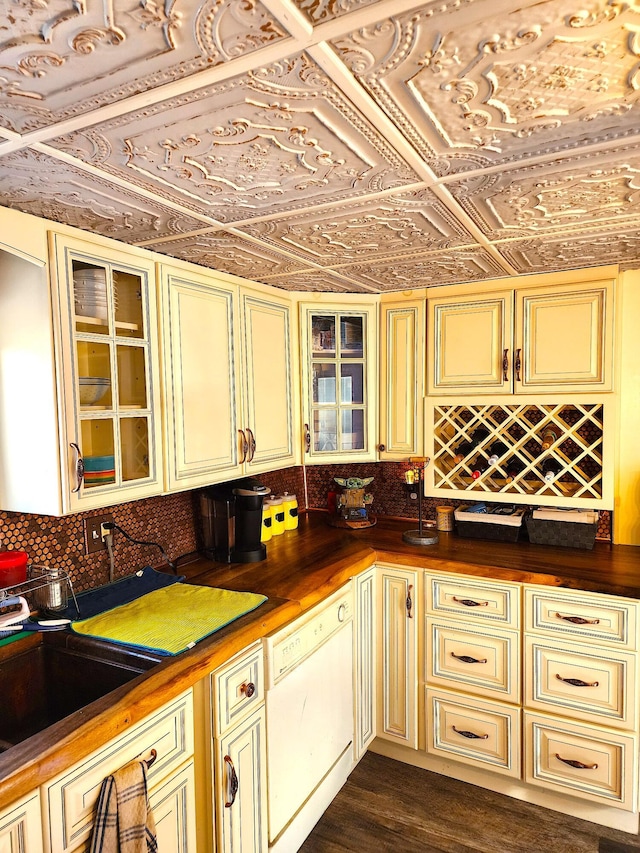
(128, 304)
(132, 383)
(351, 337)
(352, 429)
(324, 383)
(91, 298)
(351, 383)
(98, 452)
(323, 336)
(134, 448)
(94, 374)
(325, 430)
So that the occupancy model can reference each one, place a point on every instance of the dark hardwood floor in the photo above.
(389, 807)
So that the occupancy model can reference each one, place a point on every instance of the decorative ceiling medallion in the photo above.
(426, 270)
(61, 58)
(34, 183)
(549, 197)
(229, 252)
(279, 138)
(478, 90)
(616, 243)
(403, 222)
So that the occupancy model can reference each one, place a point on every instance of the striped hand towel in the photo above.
(124, 820)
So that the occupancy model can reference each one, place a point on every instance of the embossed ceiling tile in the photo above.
(576, 191)
(471, 90)
(229, 252)
(327, 10)
(34, 183)
(614, 243)
(388, 225)
(320, 281)
(279, 138)
(427, 270)
(60, 58)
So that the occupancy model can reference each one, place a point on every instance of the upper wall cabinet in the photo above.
(339, 382)
(79, 394)
(551, 336)
(227, 379)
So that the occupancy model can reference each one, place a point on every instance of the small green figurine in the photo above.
(353, 482)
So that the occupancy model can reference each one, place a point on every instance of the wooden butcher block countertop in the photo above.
(301, 569)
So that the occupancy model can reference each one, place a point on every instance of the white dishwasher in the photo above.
(310, 719)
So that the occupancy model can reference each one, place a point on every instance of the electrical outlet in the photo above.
(93, 540)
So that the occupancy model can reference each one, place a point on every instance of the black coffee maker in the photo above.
(232, 521)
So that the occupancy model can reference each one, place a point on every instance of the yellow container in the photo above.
(266, 531)
(290, 503)
(277, 516)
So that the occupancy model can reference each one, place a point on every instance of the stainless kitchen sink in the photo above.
(48, 676)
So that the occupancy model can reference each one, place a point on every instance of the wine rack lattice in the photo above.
(497, 449)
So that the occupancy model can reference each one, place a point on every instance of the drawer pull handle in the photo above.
(409, 602)
(469, 734)
(578, 620)
(233, 782)
(518, 364)
(467, 658)
(469, 602)
(248, 689)
(578, 764)
(153, 754)
(505, 365)
(577, 682)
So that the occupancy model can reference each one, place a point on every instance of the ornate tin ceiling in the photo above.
(331, 145)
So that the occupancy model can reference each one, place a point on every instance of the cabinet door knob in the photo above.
(79, 467)
(382, 448)
(248, 688)
(232, 782)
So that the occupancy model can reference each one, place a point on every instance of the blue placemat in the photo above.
(95, 601)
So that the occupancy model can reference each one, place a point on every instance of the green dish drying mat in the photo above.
(170, 620)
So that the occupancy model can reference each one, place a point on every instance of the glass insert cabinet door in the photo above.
(338, 348)
(111, 358)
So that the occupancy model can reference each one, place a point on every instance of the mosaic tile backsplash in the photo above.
(174, 521)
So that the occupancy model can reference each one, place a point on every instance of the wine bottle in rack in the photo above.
(548, 437)
(513, 467)
(550, 469)
(496, 452)
(462, 451)
(478, 467)
(479, 435)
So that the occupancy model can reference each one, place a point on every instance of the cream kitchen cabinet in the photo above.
(398, 619)
(364, 670)
(553, 334)
(339, 380)
(80, 387)
(21, 826)
(227, 370)
(401, 383)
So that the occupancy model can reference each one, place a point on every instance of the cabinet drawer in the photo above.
(238, 687)
(473, 659)
(603, 618)
(69, 800)
(581, 682)
(478, 733)
(474, 599)
(585, 761)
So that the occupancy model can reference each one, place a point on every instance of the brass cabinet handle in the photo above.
(469, 602)
(252, 445)
(505, 365)
(409, 602)
(577, 682)
(578, 764)
(245, 446)
(153, 754)
(307, 438)
(468, 734)
(248, 689)
(518, 364)
(578, 620)
(468, 658)
(79, 468)
(233, 782)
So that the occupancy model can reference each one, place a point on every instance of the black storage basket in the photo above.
(486, 530)
(565, 534)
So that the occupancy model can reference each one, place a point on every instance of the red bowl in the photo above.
(13, 567)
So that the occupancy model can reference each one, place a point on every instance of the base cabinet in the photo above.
(21, 826)
(364, 674)
(173, 812)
